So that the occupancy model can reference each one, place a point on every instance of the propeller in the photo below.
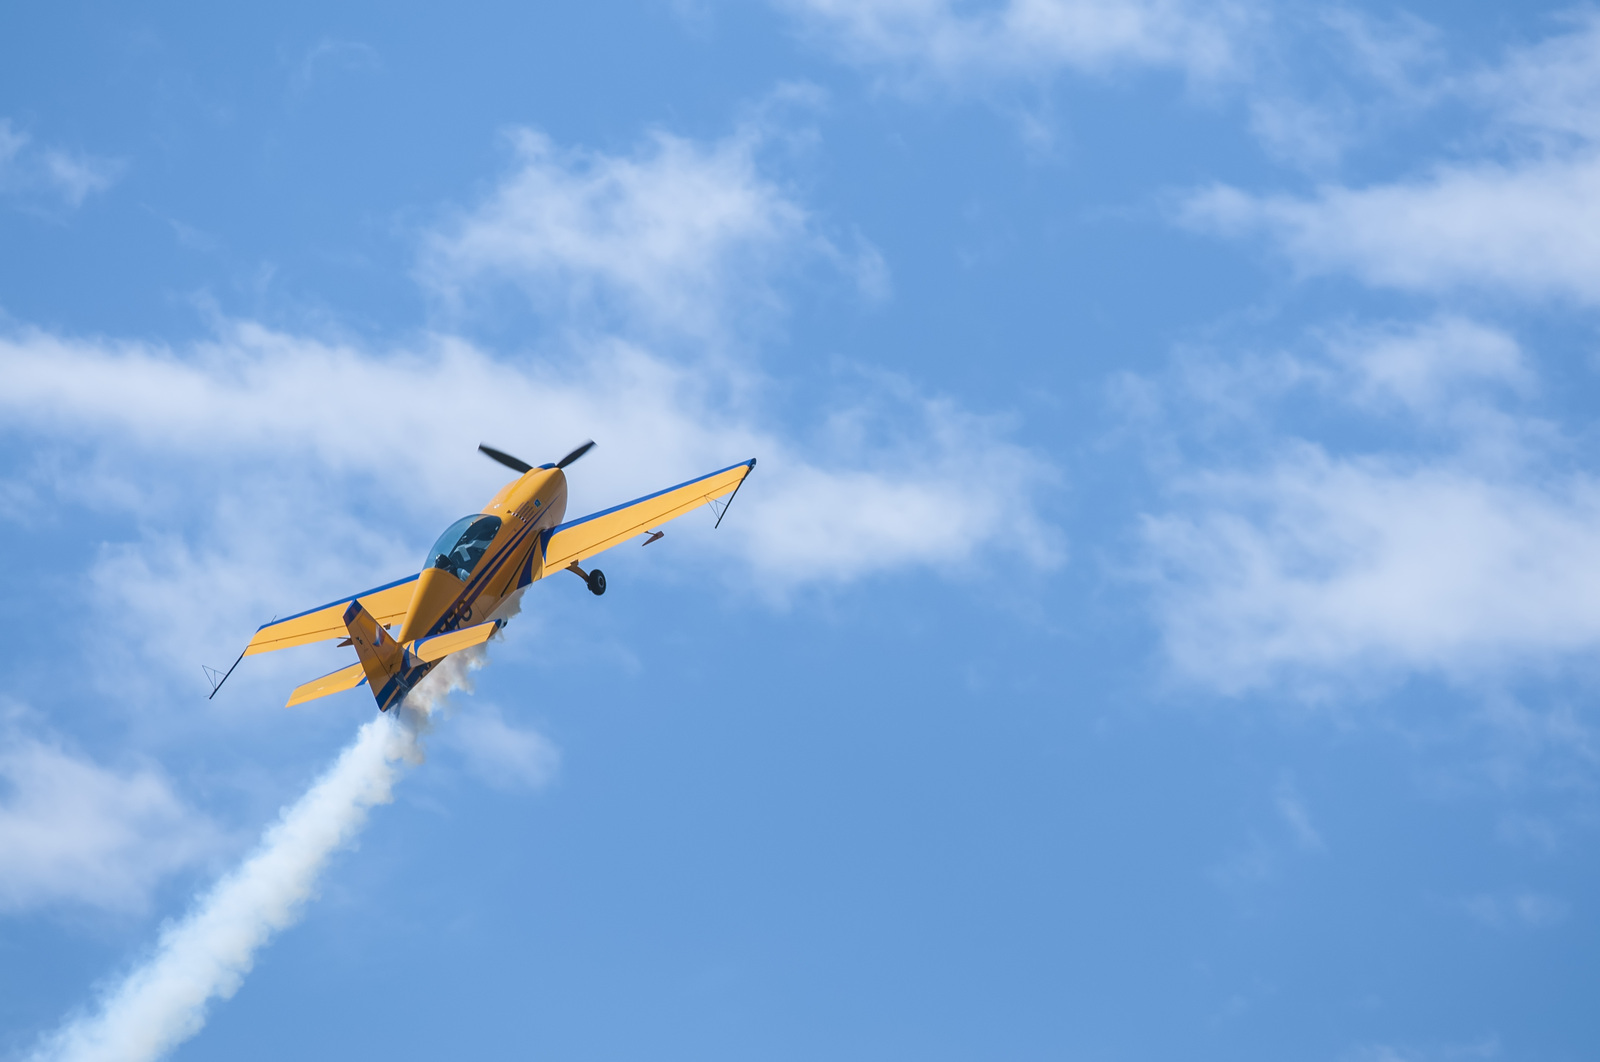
(574, 455)
(506, 459)
(522, 466)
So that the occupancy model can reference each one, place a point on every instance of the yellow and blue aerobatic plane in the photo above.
(478, 562)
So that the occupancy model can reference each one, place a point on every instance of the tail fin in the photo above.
(390, 668)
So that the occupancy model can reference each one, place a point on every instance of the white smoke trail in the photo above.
(162, 1002)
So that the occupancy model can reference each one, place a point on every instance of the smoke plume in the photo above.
(206, 956)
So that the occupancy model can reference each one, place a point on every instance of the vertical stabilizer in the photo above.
(391, 670)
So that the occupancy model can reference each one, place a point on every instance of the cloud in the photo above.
(1459, 1052)
(329, 467)
(1327, 563)
(1520, 218)
(1547, 90)
(330, 52)
(505, 756)
(1530, 229)
(76, 177)
(72, 831)
(1470, 545)
(1028, 39)
(11, 145)
(679, 236)
(71, 177)
(1336, 76)
(1522, 910)
(1294, 814)
(1431, 367)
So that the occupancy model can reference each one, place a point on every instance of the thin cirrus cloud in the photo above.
(1520, 219)
(1530, 229)
(72, 831)
(1459, 537)
(1320, 564)
(1473, 549)
(29, 172)
(505, 756)
(1028, 39)
(678, 235)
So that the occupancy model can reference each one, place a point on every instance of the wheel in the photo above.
(597, 582)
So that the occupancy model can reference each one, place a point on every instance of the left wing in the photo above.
(387, 603)
(584, 537)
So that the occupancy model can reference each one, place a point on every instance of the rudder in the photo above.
(390, 668)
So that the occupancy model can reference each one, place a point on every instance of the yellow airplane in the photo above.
(479, 561)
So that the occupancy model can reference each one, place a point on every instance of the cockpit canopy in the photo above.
(463, 544)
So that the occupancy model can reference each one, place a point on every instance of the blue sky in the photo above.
(1160, 626)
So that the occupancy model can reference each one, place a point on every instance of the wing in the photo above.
(577, 539)
(346, 678)
(387, 603)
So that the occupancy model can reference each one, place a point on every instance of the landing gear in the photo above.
(595, 580)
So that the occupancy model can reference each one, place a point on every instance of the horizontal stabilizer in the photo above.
(442, 645)
(387, 603)
(346, 678)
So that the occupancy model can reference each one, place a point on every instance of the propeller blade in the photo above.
(574, 455)
(506, 459)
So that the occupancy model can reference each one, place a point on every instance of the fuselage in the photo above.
(452, 593)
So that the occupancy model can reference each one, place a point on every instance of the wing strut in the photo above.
(212, 673)
(729, 503)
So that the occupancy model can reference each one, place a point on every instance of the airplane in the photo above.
(479, 561)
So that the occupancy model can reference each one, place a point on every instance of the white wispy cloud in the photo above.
(1447, 1052)
(503, 754)
(1529, 229)
(73, 831)
(1431, 368)
(27, 170)
(1518, 910)
(331, 52)
(1470, 547)
(1334, 77)
(1519, 218)
(1546, 91)
(1292, 809)
(1028, 39)
(680, 235)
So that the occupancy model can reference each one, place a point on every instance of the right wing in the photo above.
(387, 603)
(584, 537)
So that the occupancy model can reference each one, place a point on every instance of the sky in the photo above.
(1161, 623)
